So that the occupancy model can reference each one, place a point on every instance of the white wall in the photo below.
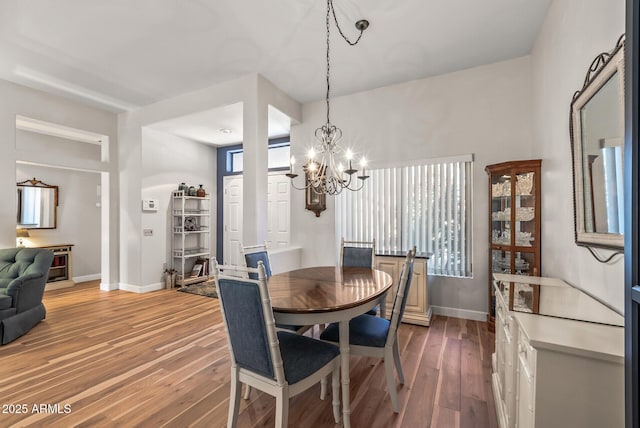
(20, 100)
(256, 94)
(167, 161)
(573, 33)
(485, 111)
(78, 217)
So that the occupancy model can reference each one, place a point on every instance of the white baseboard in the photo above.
(85, 278)
(142, 288)
(109, 287)
(460, 313)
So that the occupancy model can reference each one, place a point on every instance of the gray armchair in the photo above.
(23, 275)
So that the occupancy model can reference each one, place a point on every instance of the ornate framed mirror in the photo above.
(37, 205)
(597, 145)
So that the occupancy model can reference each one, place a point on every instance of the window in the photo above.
(278, 157)
(427, 205)
(235, 161)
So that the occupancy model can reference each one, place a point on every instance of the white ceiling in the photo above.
(122, 54)
(208, 126)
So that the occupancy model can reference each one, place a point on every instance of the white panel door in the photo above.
(278, 205)
(232, 212)
(278, 215)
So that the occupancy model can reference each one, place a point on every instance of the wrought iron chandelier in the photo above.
(326, 174)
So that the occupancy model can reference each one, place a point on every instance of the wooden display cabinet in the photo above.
(514, 222)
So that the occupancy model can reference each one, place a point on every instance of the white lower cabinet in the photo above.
(526, 385)
(570, 373)
(417, 310)
(504, 377)
(555, 372)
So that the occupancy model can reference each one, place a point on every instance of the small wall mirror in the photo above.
(37, 205)
(597, 144)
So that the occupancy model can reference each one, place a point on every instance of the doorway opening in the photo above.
(54, 154)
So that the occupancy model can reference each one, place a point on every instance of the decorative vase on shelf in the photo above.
(201, 193)
(183, 187)
(192, 191)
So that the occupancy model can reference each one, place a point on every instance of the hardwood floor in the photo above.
(161, 359)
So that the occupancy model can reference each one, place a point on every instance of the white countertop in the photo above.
(604, 342)
(551, 330)
(569, 302)
(559, 299)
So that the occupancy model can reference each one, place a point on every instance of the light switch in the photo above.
(147, 232)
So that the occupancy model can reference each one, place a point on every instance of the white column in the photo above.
(130, 185)
(255, 171)
(8, 176)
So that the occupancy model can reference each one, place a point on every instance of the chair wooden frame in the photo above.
(279, 388)
(359, 244)
(390, 353)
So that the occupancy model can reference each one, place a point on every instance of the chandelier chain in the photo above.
(332, 11)
(325, 175)
(335, 18)
(329, 7)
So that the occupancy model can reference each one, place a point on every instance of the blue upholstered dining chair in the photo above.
(254, 254)
(377, 337)
(257, 253)
(358, 254)
(280, 363)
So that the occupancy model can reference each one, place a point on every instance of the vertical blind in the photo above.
(427, 205)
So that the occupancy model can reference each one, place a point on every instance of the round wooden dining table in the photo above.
(328, 294)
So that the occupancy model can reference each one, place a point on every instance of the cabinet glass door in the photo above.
(525, 210)
(501, 209)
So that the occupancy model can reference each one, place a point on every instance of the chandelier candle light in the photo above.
(327, 175)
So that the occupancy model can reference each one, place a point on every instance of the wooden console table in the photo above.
(60, 273)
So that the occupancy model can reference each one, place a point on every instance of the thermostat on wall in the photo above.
(149, 205)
